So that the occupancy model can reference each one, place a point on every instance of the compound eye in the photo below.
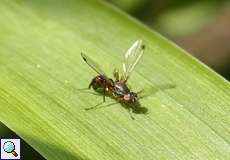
(127, 97)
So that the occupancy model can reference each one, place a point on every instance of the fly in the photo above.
(118, 88)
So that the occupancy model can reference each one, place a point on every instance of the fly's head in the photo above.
(130, 97)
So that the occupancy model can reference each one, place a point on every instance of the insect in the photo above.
(118, 88)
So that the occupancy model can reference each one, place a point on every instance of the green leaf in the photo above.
(42, 70)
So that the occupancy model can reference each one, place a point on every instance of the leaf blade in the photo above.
(42, 70)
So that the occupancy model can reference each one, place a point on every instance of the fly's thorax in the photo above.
(121, 88)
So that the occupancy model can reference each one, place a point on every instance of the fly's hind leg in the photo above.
(94, 107)
(99, 106)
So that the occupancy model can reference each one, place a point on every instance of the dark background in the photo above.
(200, 27)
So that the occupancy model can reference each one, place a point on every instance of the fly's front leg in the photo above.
(94, 83)
(139, 92)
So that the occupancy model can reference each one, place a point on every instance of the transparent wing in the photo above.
(93, 64)
(132, 57)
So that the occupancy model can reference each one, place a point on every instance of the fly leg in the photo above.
(131, 114)
(140, 94)
(120, 99)
(116, 75)
(92, 83)
(94, 107)
(98, 106)
(104, 89)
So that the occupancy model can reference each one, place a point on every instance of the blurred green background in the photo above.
(200, 27)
